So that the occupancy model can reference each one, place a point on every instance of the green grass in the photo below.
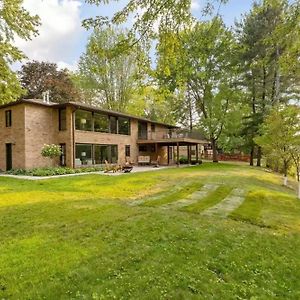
(181, 191)
(210, 200)
(77, 238)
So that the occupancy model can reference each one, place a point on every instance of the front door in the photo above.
(8, 157)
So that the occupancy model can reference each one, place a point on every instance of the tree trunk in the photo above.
(258, 163)
(285, 169)
(214, 149)
(252, 155)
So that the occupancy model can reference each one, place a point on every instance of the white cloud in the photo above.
(59, 32)
(195, 5)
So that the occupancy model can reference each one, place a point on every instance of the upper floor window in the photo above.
(62, 124)
(83, 120)
(113, 124)
(124, 125)
(8, 118)
(152, 127)
(101, 123)
(142, 130)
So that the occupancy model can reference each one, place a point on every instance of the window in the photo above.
(142, 130)
(124, 126)
(62, 122)
(142, 148)
(83, 120)
(152, 127)
(127, 151)
(105, 152)
(8, 118)
(101, 123)
(83, 154)
(112, 124)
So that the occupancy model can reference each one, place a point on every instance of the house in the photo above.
(87, 136)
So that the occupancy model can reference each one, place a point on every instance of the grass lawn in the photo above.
(114, 237)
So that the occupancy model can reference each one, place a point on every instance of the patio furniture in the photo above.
(111, 167)
(144, 160)
(156, 162)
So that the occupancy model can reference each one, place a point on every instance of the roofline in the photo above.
(84, 107)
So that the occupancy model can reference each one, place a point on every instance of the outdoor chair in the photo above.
(111, 167)
(156, 162)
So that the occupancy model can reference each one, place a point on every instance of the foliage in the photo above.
(266, 37)
(16, 22)
(279, 134)
(100, 247)
(38, 77)
(149, 17)
(51, 151)
(204, 69)
(105, 78)
(52, 171)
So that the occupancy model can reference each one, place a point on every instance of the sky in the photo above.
(62, 39)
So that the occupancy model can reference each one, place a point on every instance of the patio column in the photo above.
(177, 154)
(189, 154)
(197, 154)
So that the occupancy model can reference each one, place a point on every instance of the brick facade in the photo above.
(36, 123)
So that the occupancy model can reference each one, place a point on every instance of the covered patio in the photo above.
(173, 147)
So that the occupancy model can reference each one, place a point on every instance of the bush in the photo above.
(183, 160)
(51, 151)
(52, 171)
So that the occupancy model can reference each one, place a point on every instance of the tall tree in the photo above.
(15, 21)
(266, 36)
(38, 77)
(107, 78)
(150, 15)
(203, 66)
(279, 135)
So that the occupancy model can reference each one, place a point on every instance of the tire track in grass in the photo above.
(174, 196)
(192, 198)
(229, 204)
(209, 200)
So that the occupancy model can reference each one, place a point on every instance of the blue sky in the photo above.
(62, 38)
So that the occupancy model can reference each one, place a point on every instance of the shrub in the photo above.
(51, 151)
(52, 171)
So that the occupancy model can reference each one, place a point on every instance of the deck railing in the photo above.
(174, 134)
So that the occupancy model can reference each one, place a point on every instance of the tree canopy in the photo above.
(15, 21)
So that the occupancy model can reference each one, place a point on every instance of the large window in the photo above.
(90, 154)
(101, 123)
(62, 119)
(83, 120)
(83, 154)
(8, 118)
(88, 121)
(124, 126)
(142, 130)
(113, 124)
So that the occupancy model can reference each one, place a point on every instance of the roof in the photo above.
(83, 106)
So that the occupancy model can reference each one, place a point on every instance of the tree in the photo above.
(15, 21)
(266, 37)
(204, 68)
(149, 15)
(279, 135)
(107, 79)
(38, 77)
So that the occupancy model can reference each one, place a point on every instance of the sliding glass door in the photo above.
(92, 154)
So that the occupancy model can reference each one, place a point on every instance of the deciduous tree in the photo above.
(15, 21)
